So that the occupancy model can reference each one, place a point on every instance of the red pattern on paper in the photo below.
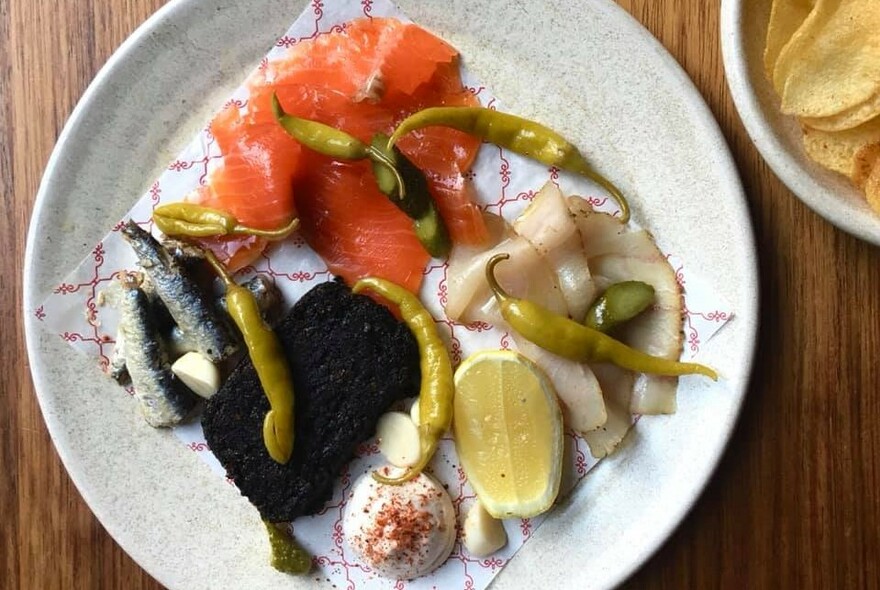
(91, 287)
(337, 561)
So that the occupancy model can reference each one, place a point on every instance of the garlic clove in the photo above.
(482, 534)
(398, 439)
(198, 373)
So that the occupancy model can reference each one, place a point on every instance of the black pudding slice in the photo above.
(350, 360)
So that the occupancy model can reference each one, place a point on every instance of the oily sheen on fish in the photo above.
(164, 400)
(188, 305)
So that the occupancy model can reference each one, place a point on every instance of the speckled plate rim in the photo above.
(630, 547)
(824, 192)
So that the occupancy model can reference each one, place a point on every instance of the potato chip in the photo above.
(864, 162)
(847, 119)
(786, 17)
(836, 150)
(831, 63)
(872, 188)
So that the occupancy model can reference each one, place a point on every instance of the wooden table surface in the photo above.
(796, 500)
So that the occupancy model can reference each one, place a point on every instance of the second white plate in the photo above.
(778, 137)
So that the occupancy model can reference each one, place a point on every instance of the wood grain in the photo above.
(796, 501)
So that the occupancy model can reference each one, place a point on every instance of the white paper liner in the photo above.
(505, 184)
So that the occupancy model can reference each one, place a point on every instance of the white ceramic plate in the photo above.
(651, 132)
(778, 137)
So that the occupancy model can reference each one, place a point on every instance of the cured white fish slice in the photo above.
(524, 275)
(617, 386)
(616, 255)
(461, 284)
(548, 225)
(579, 392)
(654, 394)
(657, 331)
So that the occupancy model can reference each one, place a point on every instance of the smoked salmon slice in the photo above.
(355, 228)
(368, 59)
(255, 180)
(445, 154)
(363, 79)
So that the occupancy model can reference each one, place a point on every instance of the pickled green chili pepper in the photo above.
(197, 221)
(516, 134)
(575, 341)
(269, 362)
(620, 303)
(398, 178)
(437, 389)
(333, 142)
(287, 555)
(418, 204)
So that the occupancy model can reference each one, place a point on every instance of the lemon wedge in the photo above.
(508, 433)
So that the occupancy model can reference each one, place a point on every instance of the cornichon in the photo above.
(620, 303)
(418, 203)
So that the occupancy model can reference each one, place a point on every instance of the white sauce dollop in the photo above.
(403, 531)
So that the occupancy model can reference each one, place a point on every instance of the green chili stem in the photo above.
(269, 234)
(381, 158)
(610, 187)
(219, 268)
(494, 285)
